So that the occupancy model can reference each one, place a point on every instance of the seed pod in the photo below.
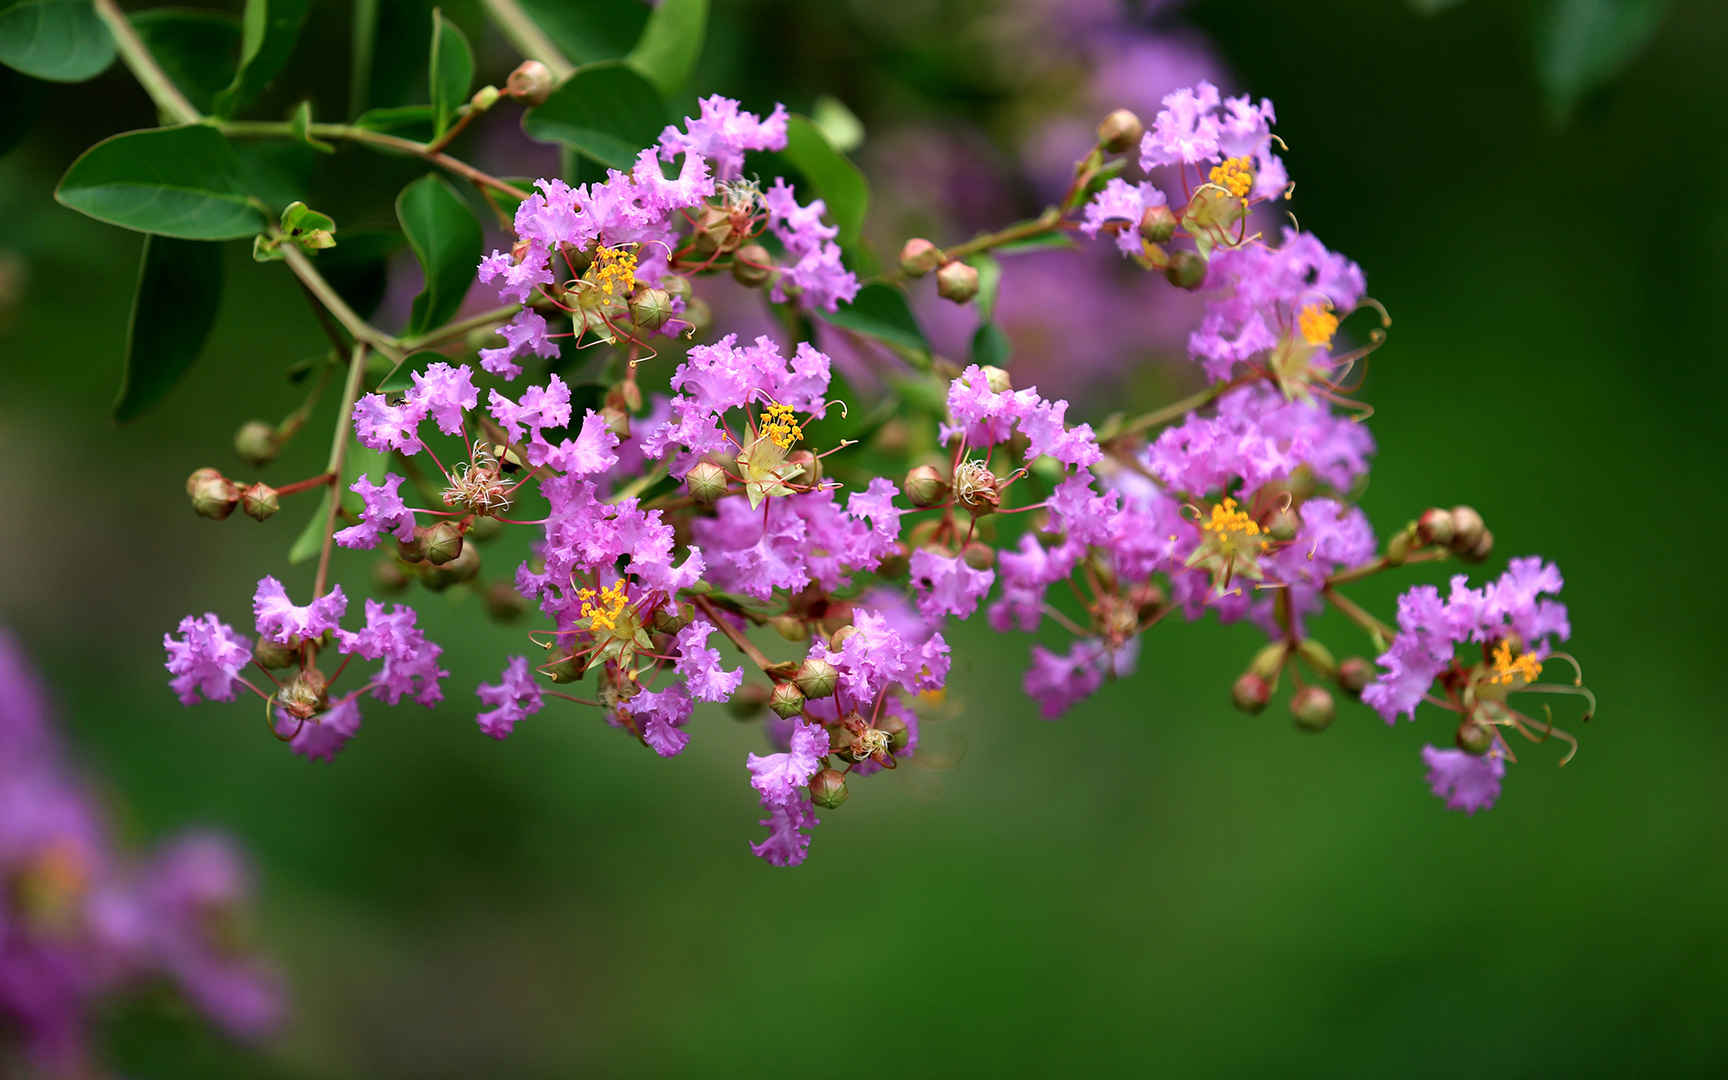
(274, 656)
(1187, 270)
(919, 256)
(443, 543)
(259, 501)
(752, 266)
(1157, 224)
(924, 486)
(669, 619)
(1474, 736)
(811, 464)
(957, 281)
(816, 678)
(1354, 675)
(705, 482)
(786, 700)
(1120, 131)
(828, 789)
(1251, 693)
(213, 495)
(1313, 709)
(255, 442)
(650, 308)
(996, 379)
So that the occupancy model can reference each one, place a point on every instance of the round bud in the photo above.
(200, 476)
(1435, 527)
(255, 442)
(924, 486)
(978, 556)
(1284, 526)
(414, 550)
(816, 678)
(836, 616)
(1186, 271)
(899, 734)
(503, 603)
(1302, 483)
(705, 482)
(214, 496)
(1313, 709)
(919, 256)
(1157, 224)
(565, 669)
(1318, 657)
(443, 543)
(1120, 131)
(828, 789)
(996, 379)
(388, 576)
(464, 567)
(484, 98)
(650, 308)
(1251, 693)
(786, 700)
(531, 82)
(1467, 529)
(482, 529)
(811, 464)
(617, 421)
(274, 656)
(1483, 548)
(1354, 675)
(748, 701)
(1475, 737)
(790, 627)
(957, 281)
(752, 265)
(677, 286)
(259, 501)
(669, 619)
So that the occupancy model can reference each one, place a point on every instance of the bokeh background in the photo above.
(1156, 883)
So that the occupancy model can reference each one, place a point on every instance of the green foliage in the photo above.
(667, 50)
(404, 121)
(358, 267)
(989, 281)
(300, 121)
(183, 182)
(267, 34)
(446, 239)
(195, 49)
(991, 346)
(591, 30)
(361, 461)
(1581, 44)
(57, 40)
(830, 175)
(881, 312)
(605, 111)
(450, 71)
(179, 289)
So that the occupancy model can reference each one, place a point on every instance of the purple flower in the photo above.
(518, 279)
(444, 393)
(592, 451)
(1467, 782)
(780, 778)
(384, 513)
(662, 715)
(321, 737)
(524, 334)
(279, 620)
(1057, 682)
(410, 661)
(722, 133)
(700, 665)
(541, 407)
(812, 262)
(946, 585)
(515, 696)
(1184, 132)
(206, 660)
(785, 844)
(382, 426)
(1121, 204)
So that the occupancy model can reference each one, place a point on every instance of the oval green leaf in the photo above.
(991, 346)
(57, 40)
(268, 31)
(605, 111)
(879, 311)
(446, 239)
(179, 289)
(830, 175)
(667, 50)
(450, 71)
(592, 30)
(182, 182)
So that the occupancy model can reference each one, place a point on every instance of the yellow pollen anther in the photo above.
(780, 426)
(1228, 521)
(1317, 324)
(614, 270)
(603, 606)
(1235, 175)
(1506, 669)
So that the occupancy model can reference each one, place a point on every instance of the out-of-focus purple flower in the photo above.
(1468, 782)
(946, 585)
(722, 133)
(515, 696)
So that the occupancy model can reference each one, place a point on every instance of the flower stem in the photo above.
(460, 328)
(756, 655)
(1047, 222)
(1374, 566)
(350, 133)
(526, 35)
(144, 68)
(310, 482)
(1379, 631)
(364, 332)
(1173, 411)
(338, 455)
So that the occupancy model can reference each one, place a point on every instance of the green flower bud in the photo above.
(1120, 131)
(786, 700)
(200, 476)
(669, 619)
(213, 495)
(650, 308)
(1354, 675)
(899, 734)
(260, 501)
(1435, 526)
(828, 789)
(464, 567)
(919, 257)
(1318, 657)
(565, 669)
(924, 486)
(1313, 709)
(1475, 737)
(482, 529)
(1467, 529)
(816, 678)
(274, 656)
(617, 421)
(1186, 271)
(790, 627)
(705, 482)
(256, 444)
(443, 543)
(752, 266)
(531, 83)
(978, 556)
(414, 550)
(836, 616)
(811, 464)
(1157, 224)
(388, 576)
(484, 98)
(1284, 526)
(837, 640)
(957, 281)
(503, 603)
(1398, 548)
(1251, 693)
(1269, 661)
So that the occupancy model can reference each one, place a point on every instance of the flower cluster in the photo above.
(81, 920)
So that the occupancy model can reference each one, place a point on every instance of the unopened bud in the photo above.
(996, 379)
(1435, 526)
(1354, 675)
(274, 656)
(1483, 548)
(816, 678)
(705, 482)
(388, 576)
(1157, 224)
(752, 265)
(414, 550)
(213, 495)
(1467, 529)
(924, 486)
(790, 627)
(957, 281)
(650, 308)
(1186, 271)
(482, 529)
(1120, 131)
(443, 543)
(259, 501)
(669, 619)
(1284, 526)
(978, 556)
(464, 567)
(503, 603)
(811, 464)
(1269, 661)
(919, 256)
(1251, 693)
(786, 700)
(1398, 548)
(565, 669)
(698, 314)
(828, 789)
(617, 421)
(1313, 708)
(1318, 657)
(531, 82)
(255, 442)
(1475, 737)
(899, 734)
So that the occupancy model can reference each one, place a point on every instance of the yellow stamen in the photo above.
(613, 270)
(1317, 324)
(1228, 521)
(1235, 175)
(780, 426)
(1507, 669)
(602, 607)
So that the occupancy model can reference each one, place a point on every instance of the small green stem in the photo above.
(639, 485)
(461, 328)
(1379, 631)
(526, 35)
(338, 455)
(1374, 566)
(350, 133)
(144, 68)
(364, 332)
(1047, 222)
(1173, 411)
(756, 655)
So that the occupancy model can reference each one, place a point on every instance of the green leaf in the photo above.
(179, 288)
(358, 268)
(989, 280)
(605, 111)
(879, 311)
(667, 50)
(364, 42)
(1581, 44)
(838, 124)
(267, 34)
(400, 377)
(592, 30)
(57, 40)
(830, 175)
(450, 72)
(446, 239)
(408, 121)
(196, 49)
(300, 123)
(182, 182)
(360, 461)
(275, 172)
(991, 346)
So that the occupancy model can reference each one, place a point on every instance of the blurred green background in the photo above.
(1155, 883)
